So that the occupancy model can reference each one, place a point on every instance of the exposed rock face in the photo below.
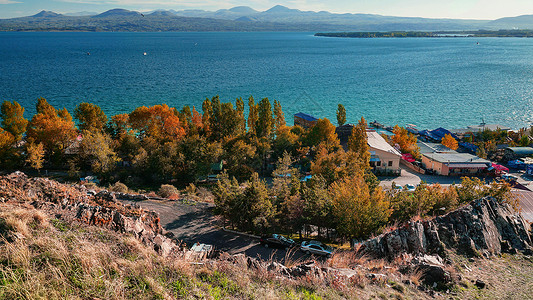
(482, 227)
(101, 209)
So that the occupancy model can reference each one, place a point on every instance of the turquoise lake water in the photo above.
(449, 82)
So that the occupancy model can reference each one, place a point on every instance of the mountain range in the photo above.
(243, 18)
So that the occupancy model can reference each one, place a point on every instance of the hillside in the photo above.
(61, 241)
(243, 18)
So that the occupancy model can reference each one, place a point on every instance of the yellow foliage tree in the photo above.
(359, 212)
(450, 142)
(35, 155)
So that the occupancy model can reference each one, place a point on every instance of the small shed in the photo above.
(513, 153)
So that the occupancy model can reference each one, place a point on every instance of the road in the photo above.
(192, 222)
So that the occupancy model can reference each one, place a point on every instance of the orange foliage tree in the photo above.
(54, 128)
(159, 121)
(450, 142)
(406, 141)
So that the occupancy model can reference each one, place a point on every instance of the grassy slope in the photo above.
(45, 258)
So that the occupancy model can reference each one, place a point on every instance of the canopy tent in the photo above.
(500, 167)
(408, 157)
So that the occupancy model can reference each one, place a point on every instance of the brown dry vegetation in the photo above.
(45, 258)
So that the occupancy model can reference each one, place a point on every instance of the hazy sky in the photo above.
(463, 9)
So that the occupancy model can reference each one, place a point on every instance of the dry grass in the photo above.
(49, 259)
(46, 258)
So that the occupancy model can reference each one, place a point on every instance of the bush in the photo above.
(167, 191)
(119, 187)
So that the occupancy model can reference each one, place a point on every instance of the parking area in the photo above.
(195, 222)
(410, 177)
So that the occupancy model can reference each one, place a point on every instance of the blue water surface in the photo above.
(430, 82)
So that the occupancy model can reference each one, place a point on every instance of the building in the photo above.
(304, 120)
(384, 159)
(513, 153)
(435, 135)
(344, 132)
(442, 160)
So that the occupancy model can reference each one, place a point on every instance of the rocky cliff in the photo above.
(484, 227)
(77, 203)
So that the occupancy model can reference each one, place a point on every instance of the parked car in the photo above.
(508, 177)
(276, 241)
(398, 188)
(315, 247)
(410, 187)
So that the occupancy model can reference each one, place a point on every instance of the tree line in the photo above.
(160, 144)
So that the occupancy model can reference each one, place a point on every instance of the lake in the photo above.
(430, 82)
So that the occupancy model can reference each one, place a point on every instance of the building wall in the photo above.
(385, 158)
(436, 166)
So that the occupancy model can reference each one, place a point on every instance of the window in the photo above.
(378, 163)
(390, 163)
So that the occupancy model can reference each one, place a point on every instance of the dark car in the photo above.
(277, 241)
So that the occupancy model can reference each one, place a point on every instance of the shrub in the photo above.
(167, 191)
(119, 187)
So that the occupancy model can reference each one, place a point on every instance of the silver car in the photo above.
(315, 247)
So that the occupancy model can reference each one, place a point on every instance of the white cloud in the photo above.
(8, 2)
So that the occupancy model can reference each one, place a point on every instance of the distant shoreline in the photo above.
(429, 34)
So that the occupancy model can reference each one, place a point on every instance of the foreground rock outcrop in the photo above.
(484, 227)
(76, 203)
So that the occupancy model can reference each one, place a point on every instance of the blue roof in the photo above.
(305, 117)
(437, 134)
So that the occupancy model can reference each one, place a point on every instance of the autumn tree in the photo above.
(51, 127)
(159, 122)
(119, 126)
(206, 116)
(341, 115)
(13, 120)
(286, 140)
(358, 212)
(239, 156)
(264, 122)
(317, 204)
(241, 120)
(90, 117)
(359, 151)
(450, 142)
(406, 141)
(35, 155)
(279, 117)
(331, 165)
(197, 119)
(253, 115)
(286, 192)
(258, 206)
(323, 132)
(96, 152)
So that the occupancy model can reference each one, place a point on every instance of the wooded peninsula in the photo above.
(429, 34)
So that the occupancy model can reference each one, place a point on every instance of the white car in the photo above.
(315, 247)
(410, 187)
